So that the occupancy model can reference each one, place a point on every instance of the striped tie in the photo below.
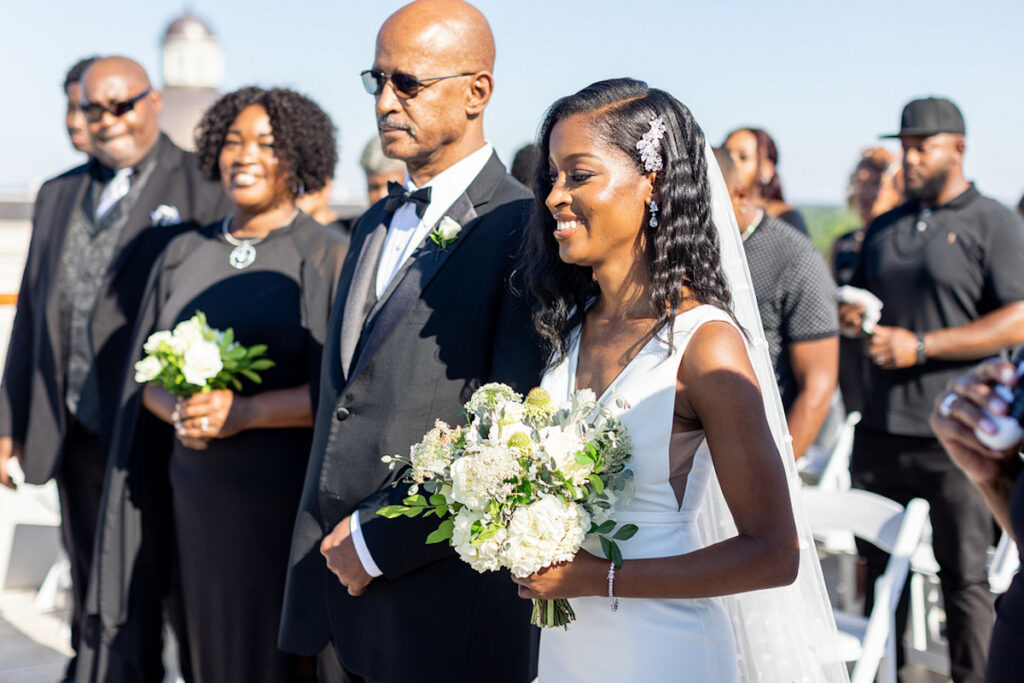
(113, 192)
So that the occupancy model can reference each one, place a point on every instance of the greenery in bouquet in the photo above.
(522, 484)
(194, 357)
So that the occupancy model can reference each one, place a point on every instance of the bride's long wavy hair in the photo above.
(682, 251)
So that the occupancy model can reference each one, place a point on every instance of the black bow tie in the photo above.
(398, 196)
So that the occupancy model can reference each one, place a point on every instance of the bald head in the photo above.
(120, 141)
(447, 46)
(456, 30)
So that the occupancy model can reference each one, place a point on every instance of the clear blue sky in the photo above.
(825, 77)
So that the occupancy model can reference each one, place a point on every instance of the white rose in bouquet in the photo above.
(202, 362)
(147, 369)
(562, 446)
(544, 533)
(187, 334)
(484, 556)
(152, 344)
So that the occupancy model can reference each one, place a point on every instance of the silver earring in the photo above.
(654, 214)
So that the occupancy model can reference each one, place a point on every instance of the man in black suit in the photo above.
(418, 324)
(96, 231)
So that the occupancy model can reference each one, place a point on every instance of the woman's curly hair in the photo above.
(683, 250)
(304, 139)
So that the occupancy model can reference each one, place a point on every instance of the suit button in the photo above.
(342, 414)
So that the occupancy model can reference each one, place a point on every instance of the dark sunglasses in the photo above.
(94, 111)
(404, 84)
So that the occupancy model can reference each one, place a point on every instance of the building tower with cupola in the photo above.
(193, 71)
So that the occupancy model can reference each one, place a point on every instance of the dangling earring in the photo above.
(654, 214)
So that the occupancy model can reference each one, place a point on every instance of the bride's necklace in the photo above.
(244, 253)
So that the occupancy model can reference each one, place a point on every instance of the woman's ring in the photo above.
(879, 359)
(204, 423)
(946, 407)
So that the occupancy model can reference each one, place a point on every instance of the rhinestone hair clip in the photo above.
(649, 145)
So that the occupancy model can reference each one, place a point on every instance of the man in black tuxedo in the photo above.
(418, 324)
(96, 231)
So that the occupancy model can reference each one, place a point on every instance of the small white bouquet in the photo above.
(194, 357)
(522, 484)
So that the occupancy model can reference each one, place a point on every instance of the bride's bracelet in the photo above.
(612, 600)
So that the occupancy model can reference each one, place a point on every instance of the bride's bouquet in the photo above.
(194, 357)
(522, 484)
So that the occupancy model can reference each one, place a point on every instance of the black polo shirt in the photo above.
(934, 269)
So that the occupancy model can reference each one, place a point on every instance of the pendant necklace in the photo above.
(244, 253)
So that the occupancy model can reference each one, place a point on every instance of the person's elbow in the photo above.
(782, 561)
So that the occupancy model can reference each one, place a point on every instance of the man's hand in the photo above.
(893, 347)
(9, 448)
(851, 317)
(342, 559)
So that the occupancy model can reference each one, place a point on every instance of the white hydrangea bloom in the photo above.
(485, 556)
(544, 533)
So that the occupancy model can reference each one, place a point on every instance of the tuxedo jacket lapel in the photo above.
(407, 286)
(167, 164)
(364, 279)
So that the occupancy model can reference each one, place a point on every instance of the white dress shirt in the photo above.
(405, 233)
(407, 230)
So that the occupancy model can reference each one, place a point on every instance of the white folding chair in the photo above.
(870, 641)
(927, 645)
(835, 472)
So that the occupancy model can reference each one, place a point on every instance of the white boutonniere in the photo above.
(446, 232)
(165, 215)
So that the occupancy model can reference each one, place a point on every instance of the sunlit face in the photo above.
(121, 141)
(599, 197)
(418, 129)
(377, 184)
(742, 148)
(252, 176)
(74, 119)
(927, 162)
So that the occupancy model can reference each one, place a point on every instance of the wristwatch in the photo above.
(921, 356)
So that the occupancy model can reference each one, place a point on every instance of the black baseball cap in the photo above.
(930, 116)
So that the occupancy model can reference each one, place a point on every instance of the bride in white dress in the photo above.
(644, 296)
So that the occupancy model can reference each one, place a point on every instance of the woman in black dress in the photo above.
(235, 461)
(997, 474)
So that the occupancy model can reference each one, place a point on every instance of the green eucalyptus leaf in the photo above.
(606, 526)
(625, 533)
(616, 554)
(256, 350)
(606, 546)
(442, 533)
(392, 511)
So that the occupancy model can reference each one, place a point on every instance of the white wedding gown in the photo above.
(649, 640)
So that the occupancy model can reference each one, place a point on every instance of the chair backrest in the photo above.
(889, 526)
(866, 515)
(836, 474)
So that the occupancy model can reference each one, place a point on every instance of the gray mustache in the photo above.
(389, 122)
